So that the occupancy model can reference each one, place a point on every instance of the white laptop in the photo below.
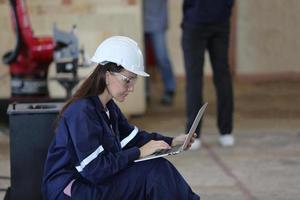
(179, 148)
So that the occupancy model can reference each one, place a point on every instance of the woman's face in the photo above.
(119, 84)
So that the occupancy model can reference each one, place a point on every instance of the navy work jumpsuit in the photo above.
(96, 151)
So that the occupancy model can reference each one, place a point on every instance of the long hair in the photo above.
(94, 85)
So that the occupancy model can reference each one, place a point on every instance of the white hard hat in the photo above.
(123, 51)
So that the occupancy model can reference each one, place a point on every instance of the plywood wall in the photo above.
(268, 36)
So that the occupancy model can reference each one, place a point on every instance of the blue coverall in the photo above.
(98, 151)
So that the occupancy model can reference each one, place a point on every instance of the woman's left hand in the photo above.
(179, 140)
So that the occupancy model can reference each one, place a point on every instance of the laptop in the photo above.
(179, 148)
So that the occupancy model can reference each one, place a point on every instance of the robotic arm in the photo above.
(12, 55)
(30, 59)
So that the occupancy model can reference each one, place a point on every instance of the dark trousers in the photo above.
(155, 179)
(213, 37)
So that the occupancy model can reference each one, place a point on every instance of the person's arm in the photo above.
(91, 141)
(138, 137)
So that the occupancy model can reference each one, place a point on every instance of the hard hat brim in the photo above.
(140, 73)
(144, 74)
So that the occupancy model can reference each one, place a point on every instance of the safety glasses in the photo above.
(126, 80)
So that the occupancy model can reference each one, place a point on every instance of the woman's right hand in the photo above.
(153, 146)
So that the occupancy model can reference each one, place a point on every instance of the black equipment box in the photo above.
(31, 129)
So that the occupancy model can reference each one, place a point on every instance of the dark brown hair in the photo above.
(95, 84)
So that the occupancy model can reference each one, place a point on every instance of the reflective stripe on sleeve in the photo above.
(94, 155)
(126, 140)
(89, 159)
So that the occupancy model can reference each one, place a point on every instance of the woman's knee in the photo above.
(161, 166)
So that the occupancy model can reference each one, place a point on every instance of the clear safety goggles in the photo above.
(126, 80)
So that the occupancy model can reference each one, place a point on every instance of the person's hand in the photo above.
(153, 146)
(191, 141)
(179, 140)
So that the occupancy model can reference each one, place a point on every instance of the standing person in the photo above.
(206, 25)
(93, 152)
(155, 27)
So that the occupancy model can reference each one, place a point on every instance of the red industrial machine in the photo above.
(31, 57)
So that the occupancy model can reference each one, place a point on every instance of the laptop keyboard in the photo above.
(162, 151)
(165, 151)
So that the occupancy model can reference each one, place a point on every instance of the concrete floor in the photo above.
(263, 165)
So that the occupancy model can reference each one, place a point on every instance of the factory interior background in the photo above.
(264, 63)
